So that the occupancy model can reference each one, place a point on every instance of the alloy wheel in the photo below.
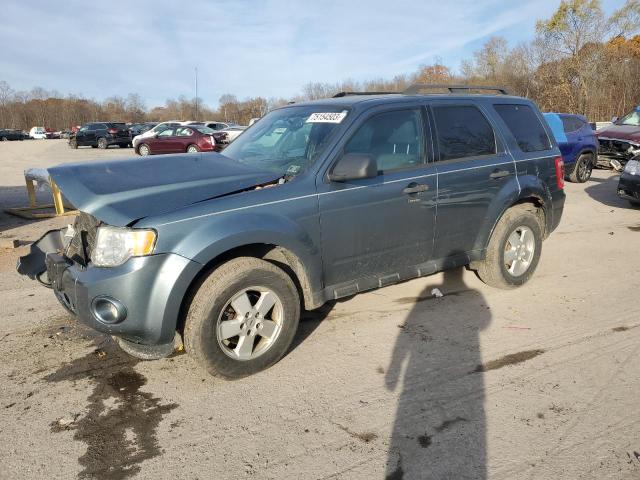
(250, 323)
(519, 251)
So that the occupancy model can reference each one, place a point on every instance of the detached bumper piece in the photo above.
(34, 264)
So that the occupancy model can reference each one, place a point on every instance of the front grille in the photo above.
(82, 243)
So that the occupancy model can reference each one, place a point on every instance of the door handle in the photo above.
(415, 188)
(496, 174)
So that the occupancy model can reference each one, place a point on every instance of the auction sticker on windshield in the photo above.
(327, 117)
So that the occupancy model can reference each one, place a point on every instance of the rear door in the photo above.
(378, 230)
(473, 166)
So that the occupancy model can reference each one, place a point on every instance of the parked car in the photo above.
(51, 134)
(226, 136)
(101, 135)
(6, 134)
(578, 144)
(621, 140)
(38, 133)
(629, 183)
(316, 202)
(154, 131)
(190, 139)
(139, 128)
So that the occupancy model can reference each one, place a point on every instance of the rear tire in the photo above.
(102, 143)
(514, 249)
(73, 144)
(193, 149)
(225, 315)
(582, 169)
(3, 139)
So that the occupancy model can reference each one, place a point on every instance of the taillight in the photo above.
(559, 172)
(112, 131)
(212, 140)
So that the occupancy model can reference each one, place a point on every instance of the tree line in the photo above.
(579, 61)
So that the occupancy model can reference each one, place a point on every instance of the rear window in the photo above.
(525, 126)
(463, 131)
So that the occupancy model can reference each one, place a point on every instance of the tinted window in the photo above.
(395, 140)
(571, 124)
(463, 131)
(525, 126)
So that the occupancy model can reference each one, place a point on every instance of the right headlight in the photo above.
(115, 245)
(632, 167)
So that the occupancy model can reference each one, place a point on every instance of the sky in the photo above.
(268, 48)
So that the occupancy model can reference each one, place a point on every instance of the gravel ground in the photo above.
(536, 383)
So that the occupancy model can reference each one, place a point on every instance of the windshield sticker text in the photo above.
(327, 117)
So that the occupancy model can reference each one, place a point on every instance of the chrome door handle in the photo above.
(415, 188)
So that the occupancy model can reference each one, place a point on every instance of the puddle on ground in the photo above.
(507, 360)
(120, 422)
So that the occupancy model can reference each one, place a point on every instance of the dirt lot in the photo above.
(536, 383)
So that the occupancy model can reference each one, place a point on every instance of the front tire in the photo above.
(514, 249)
(144, 150)
(582, 169)
(102, 143)
(242, 319)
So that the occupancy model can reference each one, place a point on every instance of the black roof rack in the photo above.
(348, 94)
(417, 87)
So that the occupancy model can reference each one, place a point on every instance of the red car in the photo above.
(192, 138)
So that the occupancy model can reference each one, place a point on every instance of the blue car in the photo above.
(578, 144)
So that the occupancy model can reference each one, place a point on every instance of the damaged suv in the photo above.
(314, 202)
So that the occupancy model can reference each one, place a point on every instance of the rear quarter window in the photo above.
(525, 126)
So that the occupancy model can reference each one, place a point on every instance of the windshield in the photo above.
(632, 119)
(205, 130)
(288, 140)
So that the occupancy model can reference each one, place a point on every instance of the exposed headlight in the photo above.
(632, 167)
(115, 245)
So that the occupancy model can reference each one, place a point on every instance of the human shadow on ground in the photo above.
(439, 430)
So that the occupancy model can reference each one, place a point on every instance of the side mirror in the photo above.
(354, 166)
(614, 119)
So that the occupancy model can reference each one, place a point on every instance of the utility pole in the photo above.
(197, 118)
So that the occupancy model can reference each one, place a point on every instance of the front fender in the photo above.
(203, 240)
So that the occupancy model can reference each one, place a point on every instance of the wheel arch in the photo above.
(278, 255)
(531, 193)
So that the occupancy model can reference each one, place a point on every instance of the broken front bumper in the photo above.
(629, 187)
(617, 149)
(144, 294)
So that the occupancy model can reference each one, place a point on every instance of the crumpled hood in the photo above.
(122, 191)
(622, 132)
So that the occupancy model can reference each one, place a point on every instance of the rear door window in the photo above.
(462, 131)
(395, 139)
(525, 126)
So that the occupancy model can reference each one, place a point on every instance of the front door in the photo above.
(380, 228)
(164, 141)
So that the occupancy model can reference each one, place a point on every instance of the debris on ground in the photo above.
(437, 293)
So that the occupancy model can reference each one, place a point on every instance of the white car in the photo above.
(38, 133)
(152, 132)
(233, 132)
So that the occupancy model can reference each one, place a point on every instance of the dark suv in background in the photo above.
(314, 202)
(101, 135)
